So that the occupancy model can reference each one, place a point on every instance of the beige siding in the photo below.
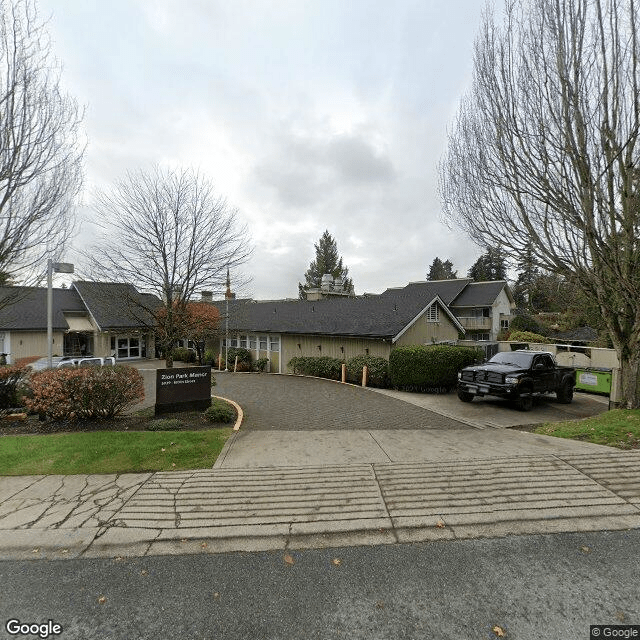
(27, 344)
(423, 332)
(334, 347)
(101, 345)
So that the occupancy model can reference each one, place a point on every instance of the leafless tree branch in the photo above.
(40, 153)
(544, 152)
(169, 233)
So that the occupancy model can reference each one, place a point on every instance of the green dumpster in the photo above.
(594, 379)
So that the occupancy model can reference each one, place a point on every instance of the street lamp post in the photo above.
(53, 267)
(226, 337)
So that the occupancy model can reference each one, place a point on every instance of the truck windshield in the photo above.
(522, 360)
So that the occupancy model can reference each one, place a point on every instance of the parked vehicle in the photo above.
(518, 376)
(59, 362)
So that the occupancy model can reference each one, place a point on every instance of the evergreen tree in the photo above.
(491, 265)
(524, 287)
(327, 260)
(441, 270)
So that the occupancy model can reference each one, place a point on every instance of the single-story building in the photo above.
(89, 318)
(419, 313)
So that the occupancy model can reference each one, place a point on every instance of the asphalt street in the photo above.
(526, 587)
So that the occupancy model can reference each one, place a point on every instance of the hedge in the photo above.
(320, 367)
(430, 368)
(85, 393)
(220, 411)
(182, 354)
(244, 358)
(377, 370)
(527, 336)
(11, 377)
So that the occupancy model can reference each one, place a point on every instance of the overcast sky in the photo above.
(307, 115)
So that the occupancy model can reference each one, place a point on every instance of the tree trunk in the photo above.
(168, 355)
(630, 378)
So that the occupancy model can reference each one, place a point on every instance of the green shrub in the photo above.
(210, 358)
(165, 424)
(182, 354)
(12, 378)
(377, 370)
(244, 359)
(319, 367)
(431, 368)
(220, 411)
(526, 336)
(85, 393)
(261, 364)
(526, 323)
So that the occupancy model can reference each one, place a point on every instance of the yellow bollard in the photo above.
(344, 372)
(365, 372)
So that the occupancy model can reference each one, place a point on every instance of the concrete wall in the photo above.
(575, 356)
(423, 332)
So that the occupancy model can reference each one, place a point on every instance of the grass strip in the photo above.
(618, 428)
(110, 452)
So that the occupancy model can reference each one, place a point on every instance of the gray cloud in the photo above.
(305, 170)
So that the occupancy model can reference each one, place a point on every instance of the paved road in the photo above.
(292, 402)
(533, 587)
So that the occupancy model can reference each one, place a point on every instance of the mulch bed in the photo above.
(189, 421)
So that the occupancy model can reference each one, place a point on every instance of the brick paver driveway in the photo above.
(297, 403)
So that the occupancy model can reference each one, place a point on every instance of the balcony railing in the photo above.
(475, 323)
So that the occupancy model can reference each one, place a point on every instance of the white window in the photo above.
(504, 324)
(433, 313)
(274, 343)
(243, 342)
(234, 342)
(129, 347)
(263, 343)
(252, 342)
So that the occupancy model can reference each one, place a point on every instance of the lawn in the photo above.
(617, 428)
(110, 451)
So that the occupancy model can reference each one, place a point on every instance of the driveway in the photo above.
(495, 412)
(308, 422)
(277, 402)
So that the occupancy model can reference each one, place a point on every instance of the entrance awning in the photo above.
(78, 324)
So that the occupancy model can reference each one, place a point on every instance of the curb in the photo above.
(238, 408)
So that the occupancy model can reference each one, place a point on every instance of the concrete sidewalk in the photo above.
(218, 510)
(252, 449)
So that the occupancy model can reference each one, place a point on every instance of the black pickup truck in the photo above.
(518, 376)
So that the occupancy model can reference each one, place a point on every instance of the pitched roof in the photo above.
(479, 294)
(26, 308)
(377, 316)
(116, 305)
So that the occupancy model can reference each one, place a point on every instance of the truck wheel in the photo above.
(464, 396)
(565, 392)
(525, 403)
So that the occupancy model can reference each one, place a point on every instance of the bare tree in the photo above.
(40, 154)
(544, 153)
(168, 233)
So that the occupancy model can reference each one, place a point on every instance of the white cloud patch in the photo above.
(307, 116)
